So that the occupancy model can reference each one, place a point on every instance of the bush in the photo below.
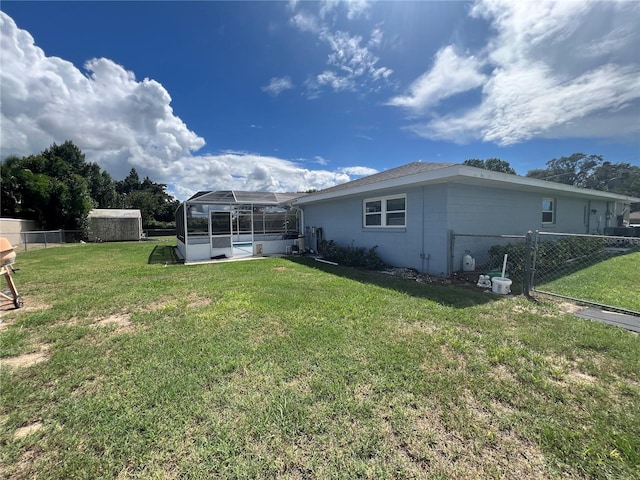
(351, 256)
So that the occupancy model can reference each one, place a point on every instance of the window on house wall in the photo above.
(385, 211)
(548, 210)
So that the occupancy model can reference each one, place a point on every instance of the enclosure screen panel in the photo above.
(221, 242)
(220, 223)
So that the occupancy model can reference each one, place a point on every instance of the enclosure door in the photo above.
(242, 231)
(220, 222)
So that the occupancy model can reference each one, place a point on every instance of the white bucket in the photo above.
(501, 285)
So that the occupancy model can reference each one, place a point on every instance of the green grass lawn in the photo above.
(289, 368)
(614, 282)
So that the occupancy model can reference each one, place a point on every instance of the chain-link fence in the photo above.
(598, 270)
(487, 254)
(594, 269)
(41, 239)
(36, 239)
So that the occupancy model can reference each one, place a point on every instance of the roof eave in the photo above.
(469, 175)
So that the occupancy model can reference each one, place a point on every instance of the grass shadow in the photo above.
(446, 294)
(164, 255)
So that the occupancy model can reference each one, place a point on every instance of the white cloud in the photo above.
(354, 8)
(278, 85)
(105, 110)
(336, 82)
(246, 171)
(353, 65)
(358, 171)
(556, 69)
(120, 123)
(306, 22)
(450, 75)
(357, 8)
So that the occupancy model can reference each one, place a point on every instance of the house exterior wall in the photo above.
(434, 211)
(481, 210)
(422, 244)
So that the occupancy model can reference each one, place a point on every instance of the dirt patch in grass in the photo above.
(567, 307)
(578, 377)
(501, 372)
(23, 468)
(279, 269)
(27, 430)
(568, 373)
(427, 444)
(197, 302)
(121, 321)
(27, 359)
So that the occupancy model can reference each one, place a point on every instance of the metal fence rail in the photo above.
(573, 266)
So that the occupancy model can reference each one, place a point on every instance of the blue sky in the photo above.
(288, 96)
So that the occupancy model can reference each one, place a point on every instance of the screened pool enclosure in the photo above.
(232, 224)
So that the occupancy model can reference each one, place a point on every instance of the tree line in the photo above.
(58, 188)
(579, 170)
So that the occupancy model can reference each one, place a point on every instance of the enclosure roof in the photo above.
(237, 196)
(114, 213)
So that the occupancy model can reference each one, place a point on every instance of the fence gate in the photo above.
(599, 270)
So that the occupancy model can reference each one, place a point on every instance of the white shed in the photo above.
(114, 225)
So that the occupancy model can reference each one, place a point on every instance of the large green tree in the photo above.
(50, 187)
(155, 204)
(493, 164)
(592, 171)
(572, 170)
(58, 188)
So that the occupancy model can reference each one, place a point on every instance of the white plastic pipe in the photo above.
(504, 265)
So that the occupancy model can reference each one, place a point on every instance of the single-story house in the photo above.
(225, 224)
(409, 212)
(114, 225)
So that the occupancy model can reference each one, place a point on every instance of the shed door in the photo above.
(220, 229)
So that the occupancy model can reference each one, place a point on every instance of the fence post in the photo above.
(528, 265)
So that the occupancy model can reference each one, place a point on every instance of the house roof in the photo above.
(114, 213)
(398, 172)
(425, 173)
(237, 196)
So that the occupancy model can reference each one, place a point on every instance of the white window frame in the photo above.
(551, 200)
(383, 211)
